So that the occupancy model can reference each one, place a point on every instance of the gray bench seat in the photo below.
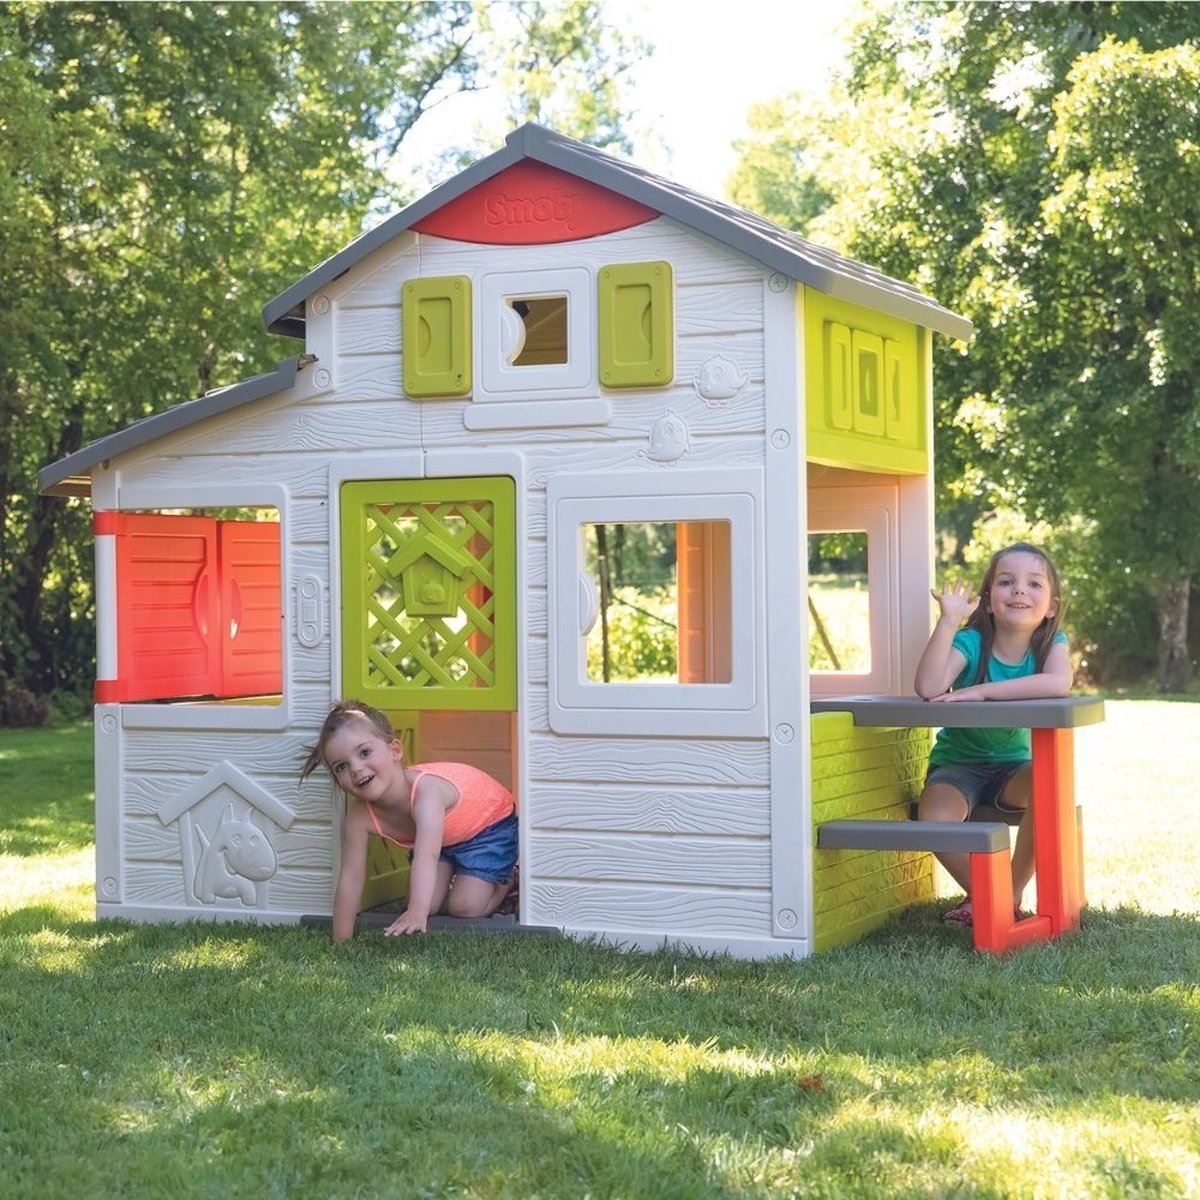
(970, 837)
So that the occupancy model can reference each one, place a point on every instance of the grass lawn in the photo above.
(210, 1061)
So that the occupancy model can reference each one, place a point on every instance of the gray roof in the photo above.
(71, 476)
(757, 238)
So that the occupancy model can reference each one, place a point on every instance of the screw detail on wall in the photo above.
(718, 379)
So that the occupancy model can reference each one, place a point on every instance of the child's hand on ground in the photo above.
(406, 922)
(955, 600)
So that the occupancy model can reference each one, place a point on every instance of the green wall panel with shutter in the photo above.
(436, 327)
(636, 325)
(865, 390)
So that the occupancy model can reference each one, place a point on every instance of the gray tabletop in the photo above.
(1066, 712)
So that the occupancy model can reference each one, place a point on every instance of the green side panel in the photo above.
(864, 774)
(407, 546)
(865, 388)
(436, 329)
(637, 325)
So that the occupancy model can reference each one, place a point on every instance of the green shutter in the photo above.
(866, 395)
(429, 593)
(436, 326)
(637, 325)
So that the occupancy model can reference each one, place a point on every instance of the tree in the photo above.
(164, 169)
(934, 158)
(1119, 382)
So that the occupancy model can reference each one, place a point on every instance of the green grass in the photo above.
(209, 1061)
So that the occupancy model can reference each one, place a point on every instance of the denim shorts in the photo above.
(490, 855)
(980, 783)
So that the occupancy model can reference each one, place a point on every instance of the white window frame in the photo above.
(858, 510)
(222, 715)
(498, 379)
(577, 705)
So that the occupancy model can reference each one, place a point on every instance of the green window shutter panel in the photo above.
(436, 328)
(429, 593)
(866, 373)
(839, 405)
(637, 325)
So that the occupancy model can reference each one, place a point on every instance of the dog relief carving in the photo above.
(224, 834)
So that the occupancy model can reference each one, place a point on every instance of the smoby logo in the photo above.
(557, 208)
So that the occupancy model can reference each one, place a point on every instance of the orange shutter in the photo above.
(167, 603)
(252, 641)
(198, 607)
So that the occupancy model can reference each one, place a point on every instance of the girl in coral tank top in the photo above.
(459, 824)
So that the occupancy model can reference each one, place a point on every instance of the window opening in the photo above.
(198, 606)
(839, 637)
(538, 337)
(664, 613)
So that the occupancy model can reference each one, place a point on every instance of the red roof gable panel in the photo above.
(531, 204)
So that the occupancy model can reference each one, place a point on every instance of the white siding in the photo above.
(636, 837)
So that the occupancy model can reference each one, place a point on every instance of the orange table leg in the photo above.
(1055, 835)
(991, 900)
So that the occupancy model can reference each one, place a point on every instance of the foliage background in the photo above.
(166, 168)
(1035, 167)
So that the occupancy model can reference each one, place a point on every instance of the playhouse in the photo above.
(551, 360)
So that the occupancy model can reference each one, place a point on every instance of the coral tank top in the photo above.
(482, 801)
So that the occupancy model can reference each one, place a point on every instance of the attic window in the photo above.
(538, 337)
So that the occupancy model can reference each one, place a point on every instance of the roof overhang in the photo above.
(72, 476)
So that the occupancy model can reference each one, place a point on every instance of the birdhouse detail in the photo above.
(431, 573)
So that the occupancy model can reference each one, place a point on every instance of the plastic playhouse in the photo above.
(553, 372)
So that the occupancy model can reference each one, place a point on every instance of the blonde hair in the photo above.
(984, 623)
(344, 713)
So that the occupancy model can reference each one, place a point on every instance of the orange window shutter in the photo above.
(704, 586)
(167, 607)
(251, 608)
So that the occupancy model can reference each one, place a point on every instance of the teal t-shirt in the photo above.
(985, 745)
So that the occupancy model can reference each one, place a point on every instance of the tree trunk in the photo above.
(1174, 663)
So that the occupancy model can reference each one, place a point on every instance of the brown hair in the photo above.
(984, 623)
(343, 713)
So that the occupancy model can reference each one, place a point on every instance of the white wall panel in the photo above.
(602, 906)
(722, 862)
(648, 760)
(635, 809)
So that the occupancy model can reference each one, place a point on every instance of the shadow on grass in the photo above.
(209, 1059)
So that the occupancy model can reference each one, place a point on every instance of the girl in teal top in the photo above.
(1011, 649)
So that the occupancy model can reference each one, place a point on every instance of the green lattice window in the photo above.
(428, 593)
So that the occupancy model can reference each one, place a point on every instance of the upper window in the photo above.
(537, 336)
(537, 330)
